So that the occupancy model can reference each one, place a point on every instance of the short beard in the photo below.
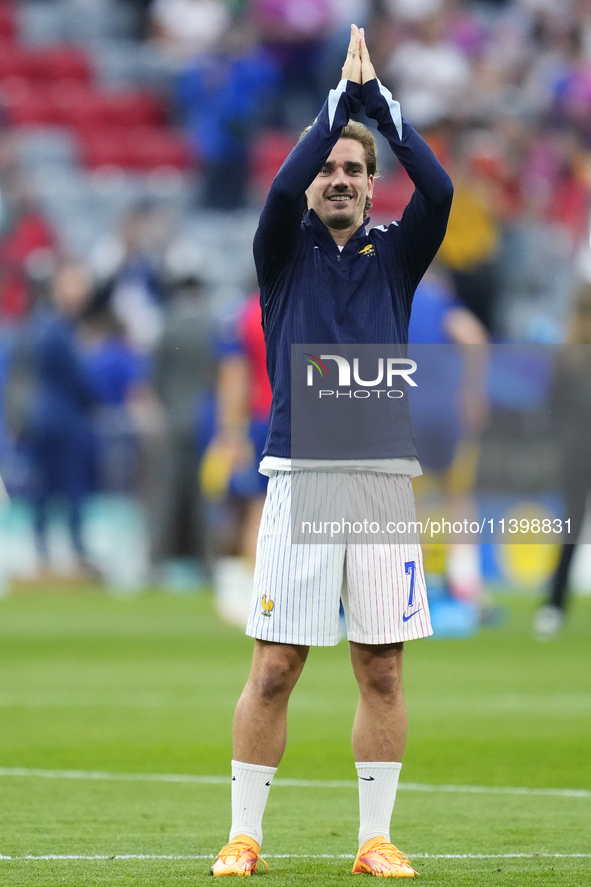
(341, 222)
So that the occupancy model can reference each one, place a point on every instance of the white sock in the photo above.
(378, 781)
(250, 790)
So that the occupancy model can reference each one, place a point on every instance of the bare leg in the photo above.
(380, 727)
(260, 722)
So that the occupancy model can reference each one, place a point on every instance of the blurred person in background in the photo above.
(470, 250)
(449, 412)
(570, 403)
(60, 434)
(183, 374)
(297, 36)
(368, 13)
(556, 58)
(243, 407)
(116, 372)
(544, 240)
(24, 230)
(225, 96)
(431, 75)
(183, 29)
(129, 266)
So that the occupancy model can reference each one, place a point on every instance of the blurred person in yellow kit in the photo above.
(471, 244)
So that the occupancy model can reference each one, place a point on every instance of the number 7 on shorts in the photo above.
(410, 567)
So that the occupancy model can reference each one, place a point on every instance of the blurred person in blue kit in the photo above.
(60, 434)
(570, 405)
(449, 410)
(224, 96)
(117, 375)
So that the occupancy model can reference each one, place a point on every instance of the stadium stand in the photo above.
(90, 128)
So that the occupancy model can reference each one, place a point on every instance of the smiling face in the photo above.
(339, 192)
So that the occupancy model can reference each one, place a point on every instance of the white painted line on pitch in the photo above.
(497, 790)
(209, 856)
(290, 783)
(118, 777)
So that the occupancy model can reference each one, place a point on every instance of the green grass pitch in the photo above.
(148, 686)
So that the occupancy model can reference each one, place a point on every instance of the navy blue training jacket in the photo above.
(311, 292)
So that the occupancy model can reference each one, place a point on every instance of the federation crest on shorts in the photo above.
(268, 605)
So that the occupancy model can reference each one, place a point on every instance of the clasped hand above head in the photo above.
(358, 67)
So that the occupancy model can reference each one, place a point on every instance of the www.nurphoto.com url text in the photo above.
(433, 528)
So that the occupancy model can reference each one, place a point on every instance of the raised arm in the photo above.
(276, 237)
(424, 222)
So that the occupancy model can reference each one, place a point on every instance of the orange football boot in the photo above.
(239, 857)
(379, 857)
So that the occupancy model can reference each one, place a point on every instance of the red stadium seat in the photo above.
(155, 148)
(133, 108)
(62, 62)
(53, 63)
(24, 105)
(268, 152)
(54, 86)
(106, 147)
(8, 30)
(392, 193)
(77, 104)
(13, 89)
(16, 61)
(140, 148)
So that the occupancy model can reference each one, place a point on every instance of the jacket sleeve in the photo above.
(276, 237)
(424, 221)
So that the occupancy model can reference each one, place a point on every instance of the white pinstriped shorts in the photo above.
(298, 587)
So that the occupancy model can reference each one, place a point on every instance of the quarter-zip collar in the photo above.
(324, 238)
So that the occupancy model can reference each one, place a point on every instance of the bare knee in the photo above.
(276, 669)
(381, 681)
(378, 670)
(275, 681)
